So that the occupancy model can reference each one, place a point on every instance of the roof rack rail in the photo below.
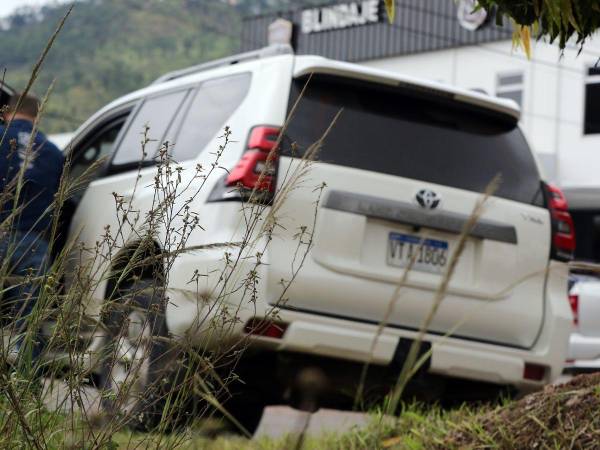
(271, 50)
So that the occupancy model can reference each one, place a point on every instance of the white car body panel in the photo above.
(492, 280)
(589, 307)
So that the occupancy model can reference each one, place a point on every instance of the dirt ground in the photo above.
(560, 416)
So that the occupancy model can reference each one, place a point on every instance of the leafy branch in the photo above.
(557, 20)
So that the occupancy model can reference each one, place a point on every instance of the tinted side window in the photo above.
(415, 135)
(98, 146)
(213, 103)
(155, 112)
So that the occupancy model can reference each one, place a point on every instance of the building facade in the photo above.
(448, 41)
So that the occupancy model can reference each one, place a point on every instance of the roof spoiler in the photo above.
(271, 50)
(313, 65)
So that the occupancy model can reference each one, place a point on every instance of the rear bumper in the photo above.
(453, 357)
(584, 352)
(582, 365)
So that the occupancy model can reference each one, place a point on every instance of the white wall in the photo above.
(553, 97)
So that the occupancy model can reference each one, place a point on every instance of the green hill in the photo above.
(110, 47)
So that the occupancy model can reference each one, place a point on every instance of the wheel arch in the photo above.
(143, 258)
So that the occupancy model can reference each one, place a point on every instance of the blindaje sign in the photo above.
(340, 16)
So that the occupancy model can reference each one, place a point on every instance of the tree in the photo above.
(558, 20)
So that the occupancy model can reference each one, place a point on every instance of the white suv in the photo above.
(406, 158)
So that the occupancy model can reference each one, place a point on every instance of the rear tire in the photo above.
(138, 372)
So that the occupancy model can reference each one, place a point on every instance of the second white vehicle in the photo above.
(584, 343)
(584, 281)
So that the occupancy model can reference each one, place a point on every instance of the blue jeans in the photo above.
(27, 254)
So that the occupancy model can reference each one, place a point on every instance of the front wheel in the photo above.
(138, 366)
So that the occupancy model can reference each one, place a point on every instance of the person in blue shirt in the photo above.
(30, 172)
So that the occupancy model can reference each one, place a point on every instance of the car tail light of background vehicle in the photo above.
(563, 230)
(254, 176)
(574, 303)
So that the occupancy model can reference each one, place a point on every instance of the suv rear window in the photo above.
(413, 134)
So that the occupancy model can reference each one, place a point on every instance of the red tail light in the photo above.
(257, 169)
(263, 138)
(265, 328)
(574, 303)
(556, 198)
(534, 372)
(563, 230)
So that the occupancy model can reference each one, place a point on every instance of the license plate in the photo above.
(432, 254)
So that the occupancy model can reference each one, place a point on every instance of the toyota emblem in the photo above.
(427, 199)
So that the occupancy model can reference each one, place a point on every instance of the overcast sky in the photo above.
(8, 6)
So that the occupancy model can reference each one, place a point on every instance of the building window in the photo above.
(510, 86)
(591, 124)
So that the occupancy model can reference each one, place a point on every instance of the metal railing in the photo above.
(272, 50)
